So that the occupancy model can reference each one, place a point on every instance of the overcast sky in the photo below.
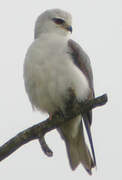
(97, 26)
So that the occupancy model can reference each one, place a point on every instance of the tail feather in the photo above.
(77, 149)
(78, 153)
(87, 126)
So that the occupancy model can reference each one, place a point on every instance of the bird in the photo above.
(54, 67)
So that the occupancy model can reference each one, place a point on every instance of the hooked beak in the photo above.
(69, 28)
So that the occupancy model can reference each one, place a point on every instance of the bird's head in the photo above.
(54, 21)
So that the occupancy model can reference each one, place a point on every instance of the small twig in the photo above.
(45, 147)
(38, 131)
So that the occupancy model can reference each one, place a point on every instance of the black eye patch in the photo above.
(58, 21)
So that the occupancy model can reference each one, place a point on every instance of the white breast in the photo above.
(49, 72)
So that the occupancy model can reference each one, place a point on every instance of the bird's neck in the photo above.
(57, 35)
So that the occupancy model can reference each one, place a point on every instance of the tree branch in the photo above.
(38, 131)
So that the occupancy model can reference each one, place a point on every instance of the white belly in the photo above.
(48, 77)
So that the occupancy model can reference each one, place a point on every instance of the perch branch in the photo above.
(39, 130)
(45, 147)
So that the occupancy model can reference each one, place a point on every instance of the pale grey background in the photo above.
(97, 27)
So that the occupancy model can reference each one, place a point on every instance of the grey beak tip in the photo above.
(69, 29)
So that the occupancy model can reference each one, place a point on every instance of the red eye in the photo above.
(58, 21)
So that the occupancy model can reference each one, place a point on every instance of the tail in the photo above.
(77, 149)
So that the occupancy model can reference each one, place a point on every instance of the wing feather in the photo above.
(82, 61)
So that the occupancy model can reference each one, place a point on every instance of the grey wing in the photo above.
(82, 61)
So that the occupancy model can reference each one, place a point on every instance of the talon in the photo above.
(50, 116)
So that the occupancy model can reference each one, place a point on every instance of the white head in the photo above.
(53, 21)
